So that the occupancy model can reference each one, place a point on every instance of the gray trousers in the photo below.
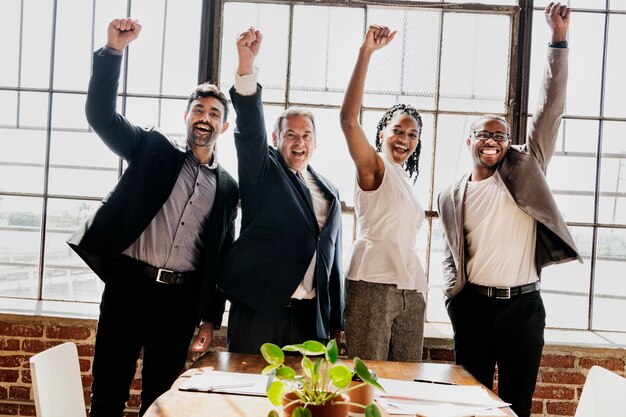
(383, 322)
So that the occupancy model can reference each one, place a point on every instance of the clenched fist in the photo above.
(121, 32)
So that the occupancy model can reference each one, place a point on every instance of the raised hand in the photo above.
(248, 45)
(378, 37)
(121, 32)
(557, 16)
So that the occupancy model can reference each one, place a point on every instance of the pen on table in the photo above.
(434, 382)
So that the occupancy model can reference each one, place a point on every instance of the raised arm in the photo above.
(369, 166)
(546, 120)
(115, 130)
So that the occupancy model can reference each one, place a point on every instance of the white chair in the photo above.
(603, 395)
(57, 385)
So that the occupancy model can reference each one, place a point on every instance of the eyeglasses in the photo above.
(485, 135)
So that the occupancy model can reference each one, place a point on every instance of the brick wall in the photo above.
(562, 374)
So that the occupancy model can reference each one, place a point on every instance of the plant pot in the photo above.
(363, 395)
(325, 410)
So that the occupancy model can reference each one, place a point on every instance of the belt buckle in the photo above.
(502, 297)
(159, 279)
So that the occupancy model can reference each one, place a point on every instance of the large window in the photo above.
(453, 60)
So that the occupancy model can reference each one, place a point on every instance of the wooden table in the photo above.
(175, 403)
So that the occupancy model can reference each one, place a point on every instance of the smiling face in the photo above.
(295, 141)
(400, 137)
(205, 122)
(487, 154)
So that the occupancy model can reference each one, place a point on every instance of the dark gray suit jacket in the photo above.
(154, 163)
(523, 172)
(279, 231)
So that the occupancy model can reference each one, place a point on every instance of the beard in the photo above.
(203, 141)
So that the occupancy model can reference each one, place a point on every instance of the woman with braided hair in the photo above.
(385, 281)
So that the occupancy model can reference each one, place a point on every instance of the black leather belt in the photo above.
(160, 275)
(295, 302)
(503, 293)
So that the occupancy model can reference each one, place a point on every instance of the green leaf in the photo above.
(273, 413)
(272, 354)
(301, 412)
(307, 367)
(275, 393)
(310, 347)
(332, 352)
(285, 373)
(340, 375)
(269, 369)
(364, 373)
(372, 411)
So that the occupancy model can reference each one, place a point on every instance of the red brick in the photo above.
(612, 364)
(561, 408)
(68, 332)
(130, 414)
(19, 393)
(7, 375)
(442, 355)
(13, 361)
(33, 345)
(87, 380)
(85, 365)
(27, 410)
(555, 392)
(85, 350)
(136, 384)
(8, 409)
(134, 401)
(572, 378)
(26, 377)
(557, 361)
(537, 408)
(3, 393)
(9, 344)
(20, 330)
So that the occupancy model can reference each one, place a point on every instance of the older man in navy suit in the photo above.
(158, 238)
(283, 274)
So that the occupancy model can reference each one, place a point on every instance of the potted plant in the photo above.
(323, 382)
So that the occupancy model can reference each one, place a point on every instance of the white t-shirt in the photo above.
(388, 219)
(500, 236)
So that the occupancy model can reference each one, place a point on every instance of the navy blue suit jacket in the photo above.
(154, 163)
(279, 232)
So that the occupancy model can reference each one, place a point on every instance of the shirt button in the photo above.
(182, 223)
(176, 246)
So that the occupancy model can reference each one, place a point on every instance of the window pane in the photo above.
(66, 277)
(618, 4)
(610, 286)
(578, 4)
(80, 164)
(565, 287)
(616, 67)
(321, 64)
(8, 104)
(142, 111)
(20, 226)
(273, 21)
(144, 54)
(474, 62)
(33, 109)
(586, 38)
(10, 35)
(173, 116)
(182, 43)
(72, 58)
(613, 174)
(21, 160)
(435, 308)
(68, 111)
(504, 2)
(574, 189)
(35, 64)
(452, 157)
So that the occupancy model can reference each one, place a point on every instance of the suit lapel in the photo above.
(302, 191)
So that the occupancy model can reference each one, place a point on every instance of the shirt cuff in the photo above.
(562, 44)
(245, 85)
(109, 51)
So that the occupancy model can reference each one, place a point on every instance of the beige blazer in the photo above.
(523, 172)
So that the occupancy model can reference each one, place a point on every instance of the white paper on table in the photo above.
(226, 383)
(430, 409)
(457, 394)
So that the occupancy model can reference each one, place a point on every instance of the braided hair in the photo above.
(411, 165)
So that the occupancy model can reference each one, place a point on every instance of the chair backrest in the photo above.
(57, 384)
(604, 395)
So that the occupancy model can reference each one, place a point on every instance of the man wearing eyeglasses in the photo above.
(502, 226)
